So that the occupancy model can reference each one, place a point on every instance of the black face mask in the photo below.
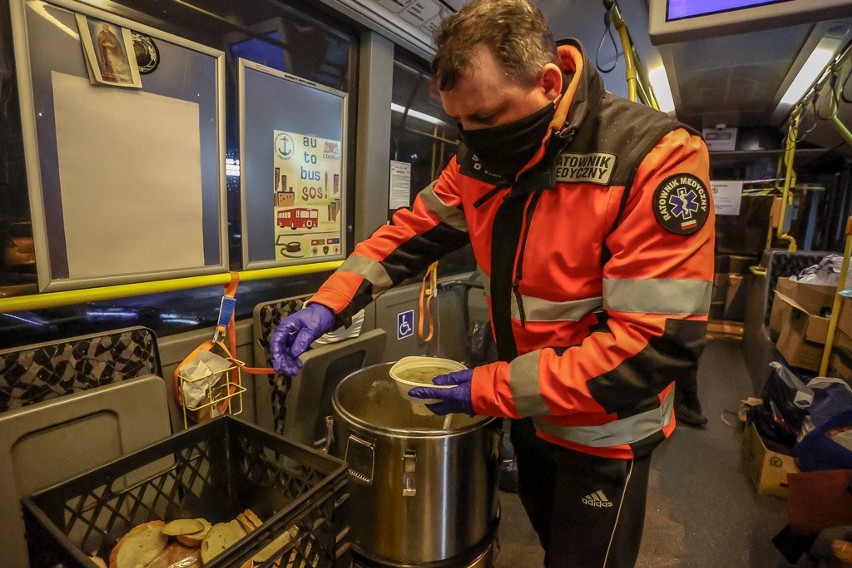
(505, 149)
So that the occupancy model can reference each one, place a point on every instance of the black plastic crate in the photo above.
(214, 470)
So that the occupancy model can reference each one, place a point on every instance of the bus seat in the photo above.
(48, 442)
(266, 317)
(39, 372)
(311, 391)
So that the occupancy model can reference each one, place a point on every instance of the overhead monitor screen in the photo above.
(672, 21)
(679, 9)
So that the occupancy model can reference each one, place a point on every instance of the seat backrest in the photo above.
(48, 442)
(309, 401)
(266, 317)
(44, 371)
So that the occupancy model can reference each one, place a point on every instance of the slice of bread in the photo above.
(177, 555)
(195, 539)
(99, 562)
(139, 547)
(183, 526)
(219, 537)
(244, 521)
(276, 545)
(255, 520)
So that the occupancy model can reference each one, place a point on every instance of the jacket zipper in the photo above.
(519, 264)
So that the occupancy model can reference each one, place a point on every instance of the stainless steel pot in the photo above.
(422, 491)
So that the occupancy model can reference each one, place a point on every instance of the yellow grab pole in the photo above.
(835, 310)
(789, 177)
(840, 127)
(70, 297)
(835, 118)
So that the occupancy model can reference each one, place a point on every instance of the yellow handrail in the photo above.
(835, 310)
(835, 115)
(70, 297)
(789, 177)
(634, 72)
(838, 124)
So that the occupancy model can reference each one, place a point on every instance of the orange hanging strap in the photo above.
(230, 327)
(225, 327)
(428, 289)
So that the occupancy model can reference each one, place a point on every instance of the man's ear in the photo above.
(550, 81)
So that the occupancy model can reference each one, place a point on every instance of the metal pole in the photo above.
(835, 310)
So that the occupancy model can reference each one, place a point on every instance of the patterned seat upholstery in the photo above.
(267, 316)
(44, 371)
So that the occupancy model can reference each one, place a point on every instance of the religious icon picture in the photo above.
(109, 52)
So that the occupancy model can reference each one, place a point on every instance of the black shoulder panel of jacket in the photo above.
(622, 129)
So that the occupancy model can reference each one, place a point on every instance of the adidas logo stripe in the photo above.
(597, 499)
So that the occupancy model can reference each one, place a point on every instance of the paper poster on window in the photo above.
(727, 196)
(400, 185)
(308, 196)
(110, 53)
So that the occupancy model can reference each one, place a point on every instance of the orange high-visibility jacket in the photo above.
(597, 262)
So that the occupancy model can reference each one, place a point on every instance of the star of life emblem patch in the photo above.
(682, 204)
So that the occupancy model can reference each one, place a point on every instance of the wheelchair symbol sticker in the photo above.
(404, 325)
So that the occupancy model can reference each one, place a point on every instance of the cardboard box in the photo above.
(781, 312)
(735, 298)
(802, 337)
(840, 362)
(767, 469)
(843, 334)
(734, 263)
(814, 298)
(840, 365)
(720, 287)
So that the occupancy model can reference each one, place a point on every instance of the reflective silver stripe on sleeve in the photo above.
(370, 270)
(657, 296)
(622, 431)
(452, 216)
(538, 309)
(523, 382)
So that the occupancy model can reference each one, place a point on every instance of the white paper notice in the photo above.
(720, 139)
(727, 196)
(400, 185)
(130, 177)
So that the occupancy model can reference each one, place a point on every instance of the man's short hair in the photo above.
(514, 30)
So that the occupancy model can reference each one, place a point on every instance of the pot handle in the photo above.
(329, 435)
(409, 468)
(361, 457)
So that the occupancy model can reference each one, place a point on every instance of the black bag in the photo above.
(785, 404)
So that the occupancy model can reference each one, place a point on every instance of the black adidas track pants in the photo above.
(588, 511)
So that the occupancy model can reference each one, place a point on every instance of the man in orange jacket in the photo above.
(592, 227)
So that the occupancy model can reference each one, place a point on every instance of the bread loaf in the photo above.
(139, 547)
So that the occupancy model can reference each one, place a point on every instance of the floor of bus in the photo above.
(702, 508)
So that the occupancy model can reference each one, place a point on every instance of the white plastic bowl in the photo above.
(435, 365)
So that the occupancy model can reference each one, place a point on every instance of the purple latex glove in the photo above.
(295, 333)
(454, 400)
